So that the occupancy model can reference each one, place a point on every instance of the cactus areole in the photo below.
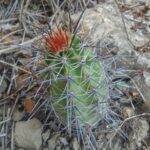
(78, 85)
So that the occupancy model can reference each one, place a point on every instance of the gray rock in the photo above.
(27, 134)
(139, 133)
(147, 78)
(105, 21)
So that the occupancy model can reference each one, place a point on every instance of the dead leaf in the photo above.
(127, 112)
(140, 11)
(21, 80)
(5, 2)
(29, 105)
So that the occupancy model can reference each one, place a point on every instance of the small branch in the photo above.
(16, 67)
(127, 119)
(14, 48)
(124, 25)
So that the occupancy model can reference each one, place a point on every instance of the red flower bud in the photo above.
(57, 40)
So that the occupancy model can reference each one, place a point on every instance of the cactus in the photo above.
(78, 83)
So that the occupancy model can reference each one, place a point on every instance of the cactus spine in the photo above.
(78, 82)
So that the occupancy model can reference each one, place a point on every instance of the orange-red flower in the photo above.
(57, 40)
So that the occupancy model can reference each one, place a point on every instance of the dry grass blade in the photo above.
(16, 67)
(15, 48)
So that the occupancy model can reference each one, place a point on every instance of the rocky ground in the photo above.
(120, 27)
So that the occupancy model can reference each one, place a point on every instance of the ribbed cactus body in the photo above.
(78, 84)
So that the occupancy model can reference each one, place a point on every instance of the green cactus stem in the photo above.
(78, 87)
